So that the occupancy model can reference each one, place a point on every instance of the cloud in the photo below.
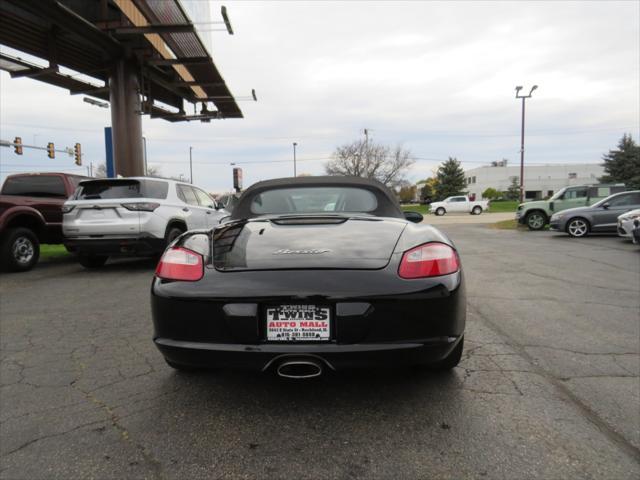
(436, 77)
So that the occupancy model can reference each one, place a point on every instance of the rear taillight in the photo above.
(141, 206)
(178, 263)
(429, 260)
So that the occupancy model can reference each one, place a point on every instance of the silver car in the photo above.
(627, 223)
(133, 216)
(601, 217)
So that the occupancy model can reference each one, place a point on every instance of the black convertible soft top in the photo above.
(388, 205)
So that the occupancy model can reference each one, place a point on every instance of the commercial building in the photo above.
(540, 181)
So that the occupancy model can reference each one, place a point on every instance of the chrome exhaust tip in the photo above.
(299, 369)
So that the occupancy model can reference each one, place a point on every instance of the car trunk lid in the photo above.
(100, 218)
(98, 209)
(306, 242)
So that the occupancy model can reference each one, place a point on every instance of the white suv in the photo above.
(133, 216)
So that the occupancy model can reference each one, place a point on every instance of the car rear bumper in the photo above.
(138, 245)
(382, 321)
(332, 355)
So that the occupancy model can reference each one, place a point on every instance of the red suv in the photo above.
(31, 214)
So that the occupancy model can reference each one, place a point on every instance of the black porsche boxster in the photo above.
(309, 274)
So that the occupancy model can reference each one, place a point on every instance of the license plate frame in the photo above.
(296, 323)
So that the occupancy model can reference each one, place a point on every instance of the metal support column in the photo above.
(126, 120)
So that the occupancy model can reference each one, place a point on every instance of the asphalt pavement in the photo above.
(467, 219)
(549, 385)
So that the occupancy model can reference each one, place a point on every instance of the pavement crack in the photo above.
(577, 352)
(153, 463)
(44, 437)
(574, 377)
(587, 412)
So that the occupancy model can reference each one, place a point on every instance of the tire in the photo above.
(172, 233)
(451, 361)
(19, 250)
(440, 211)
(536, 220)
(578, 227)
(182, 368)
(477, 210)
(92, 261)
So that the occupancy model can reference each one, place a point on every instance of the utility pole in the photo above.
(366, 147)
(144, 143)
(191, 165)
(523, 97)
(295, 173)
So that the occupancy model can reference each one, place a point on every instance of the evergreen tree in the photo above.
(513, 192)
(623, 165)
(451, 179)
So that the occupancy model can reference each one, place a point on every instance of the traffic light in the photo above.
(51, 151)
(78, 154)
(18, 145)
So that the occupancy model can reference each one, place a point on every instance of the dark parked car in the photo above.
(601, 217)
(31, 214)
(309, 274)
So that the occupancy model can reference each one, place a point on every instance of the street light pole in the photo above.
(190, 165)
(523, 97)
(295, 173)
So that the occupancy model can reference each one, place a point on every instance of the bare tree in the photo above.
(100, 171)
(367, 159)
(153, 171)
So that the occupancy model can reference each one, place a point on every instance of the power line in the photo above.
(48, 127)
(444, 133)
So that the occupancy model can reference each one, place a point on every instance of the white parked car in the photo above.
(626, 223)
(459, 204)
(133, 216)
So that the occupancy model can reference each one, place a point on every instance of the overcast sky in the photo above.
(436, 77)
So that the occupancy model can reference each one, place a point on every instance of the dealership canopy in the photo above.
(143, 56)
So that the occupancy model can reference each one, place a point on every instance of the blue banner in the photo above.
(108, 146)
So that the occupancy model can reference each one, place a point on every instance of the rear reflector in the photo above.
(429, 260)
(180, 264)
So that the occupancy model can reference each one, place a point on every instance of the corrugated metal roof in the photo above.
(87, 40)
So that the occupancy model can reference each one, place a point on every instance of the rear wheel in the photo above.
(172, 234)
(536, 220)
(440, 211)
(477, 210)
(578, 227)
(20, 250)
(451, 361)
(92, 261)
